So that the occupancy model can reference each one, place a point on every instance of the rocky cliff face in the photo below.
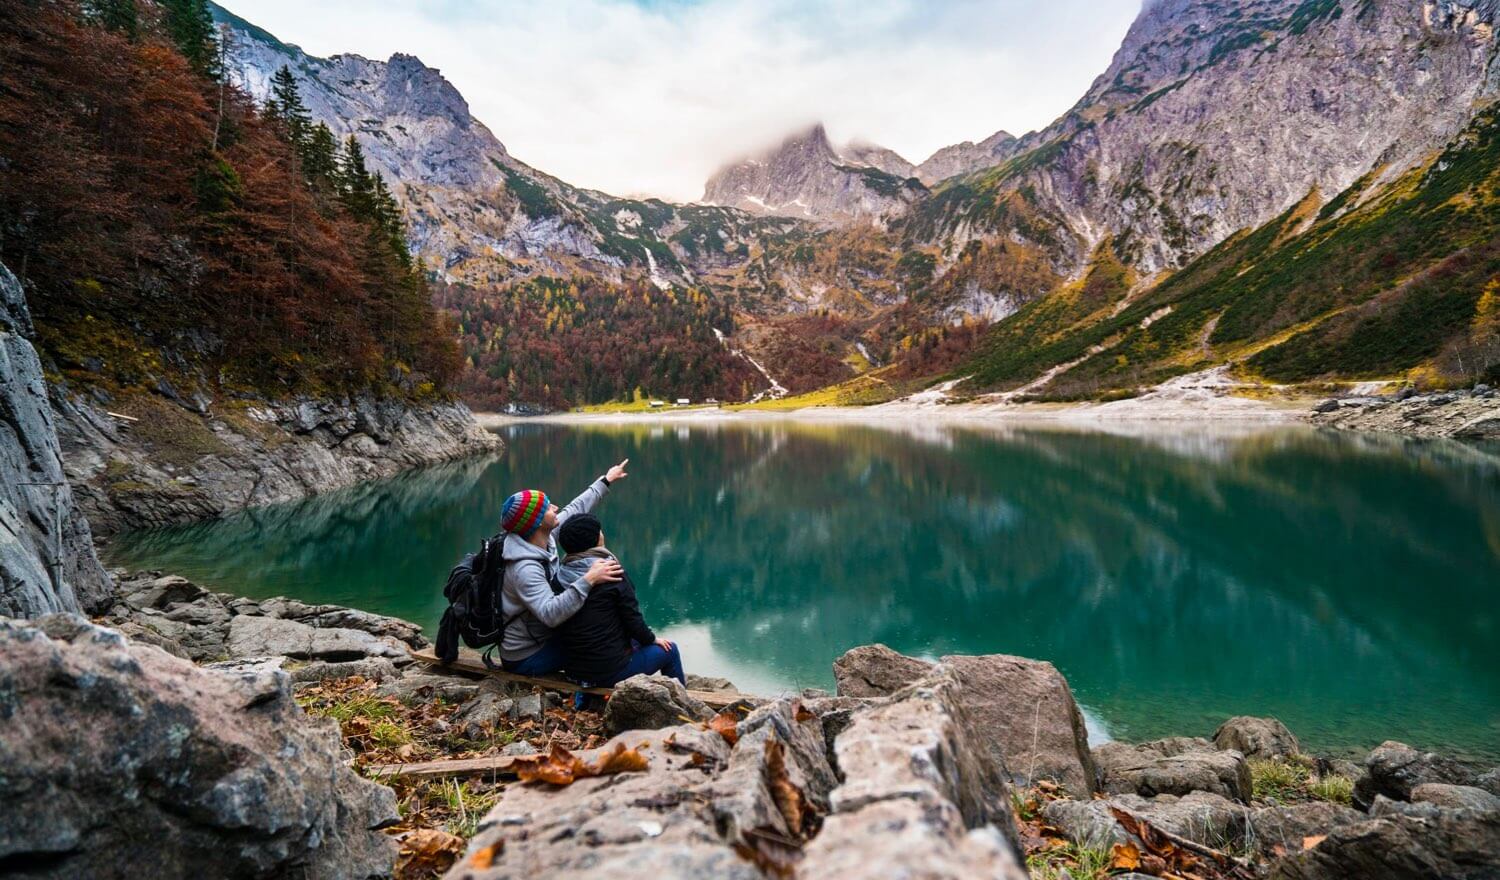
(806, 177)
(173, 465)
(47, 560)
(1216, 116)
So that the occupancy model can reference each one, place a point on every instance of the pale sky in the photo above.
(650, 97)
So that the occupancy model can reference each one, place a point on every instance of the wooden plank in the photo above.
(497, 765)
(471, 661)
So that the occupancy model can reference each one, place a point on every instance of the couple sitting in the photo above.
(577, 613)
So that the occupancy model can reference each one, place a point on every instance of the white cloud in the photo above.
(652, 98)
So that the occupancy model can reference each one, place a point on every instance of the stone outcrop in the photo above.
(1469, 414)
(876, 671)
(186, 620)
(649, 702)
(119, 756)
(208, 458)
(1151, 769)
(1395, 769)
(701, 808)
(1455, 797)
(47, 560)
(1256, 737)
(1452, 844)
(1024, 708)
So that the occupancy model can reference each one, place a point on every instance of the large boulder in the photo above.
(1145, 771)
(1449, 844)
(125, 756)
(47, 560)
(701, 808)
(1202, 817)
(1278, 831)
(1023, 710)
(876, 671)
(1394, 769)
(651, 702)
(1257, 737)
(261, 636)
(1455, 797)
(922, 797)
(1025, 714)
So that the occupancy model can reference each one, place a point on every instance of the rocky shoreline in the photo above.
(178, 716)
(174, 464)
(1466, 414)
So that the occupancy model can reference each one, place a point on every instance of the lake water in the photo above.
(1347, 584)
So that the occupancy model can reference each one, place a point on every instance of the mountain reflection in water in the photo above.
(1347, 584)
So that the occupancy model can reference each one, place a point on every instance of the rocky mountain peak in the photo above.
(806, 177)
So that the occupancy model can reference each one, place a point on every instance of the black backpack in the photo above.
(473, 593)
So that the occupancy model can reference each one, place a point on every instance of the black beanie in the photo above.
(579, 533)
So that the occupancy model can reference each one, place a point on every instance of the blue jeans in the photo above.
(547, 660)
(651, 659)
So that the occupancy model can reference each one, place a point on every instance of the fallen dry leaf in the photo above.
(790, 800)
(1124, 857)
(427, 852)
(1312, 840)
(485, 857)
(725, 725)
(620, 760)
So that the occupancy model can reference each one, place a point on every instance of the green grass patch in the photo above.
(1277, 781)
(1332, 788)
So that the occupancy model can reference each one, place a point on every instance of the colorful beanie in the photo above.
(523, 512)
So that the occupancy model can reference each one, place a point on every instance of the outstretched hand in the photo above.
(617, 473)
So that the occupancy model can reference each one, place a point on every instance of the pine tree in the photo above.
(191, 28)
(356, 186)
(120, 16)
(286, 107)
(320, 164)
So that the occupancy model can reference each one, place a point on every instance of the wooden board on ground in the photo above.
(470, 661)
(495, 765)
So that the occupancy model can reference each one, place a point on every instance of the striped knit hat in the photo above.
(523, 512)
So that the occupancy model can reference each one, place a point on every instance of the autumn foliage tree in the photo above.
(161, 223)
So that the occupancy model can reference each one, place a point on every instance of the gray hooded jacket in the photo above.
(526, 597)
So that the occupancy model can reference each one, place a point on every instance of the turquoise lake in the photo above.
(1347, 584)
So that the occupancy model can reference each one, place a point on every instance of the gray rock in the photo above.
(377, 669)
(1257, 737)
(1326, 406)
(1140, 770)
(922, 745)
(1457, 797)
(131, 757)
(1394, 769)
(1023, 708)
(197, 638)
(1454, 845)
(662, 821)
(708, 683)
(650, 702)
(1277, 831)
(1025, 714)
(425, 687)
(1489, 781)
(527, 708)
(835, 714)
(921, 797)
(1087, 823)
(260, 636)
(481, 716)
(516, 749)
(339, 617)
(909, 839)
(1202, 817)
(160, 592)
(876, 671)
(47, 559)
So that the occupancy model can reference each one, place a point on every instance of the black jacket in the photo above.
(596, 639)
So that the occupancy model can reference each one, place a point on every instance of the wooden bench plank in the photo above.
(498, 765)
(471, 661)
